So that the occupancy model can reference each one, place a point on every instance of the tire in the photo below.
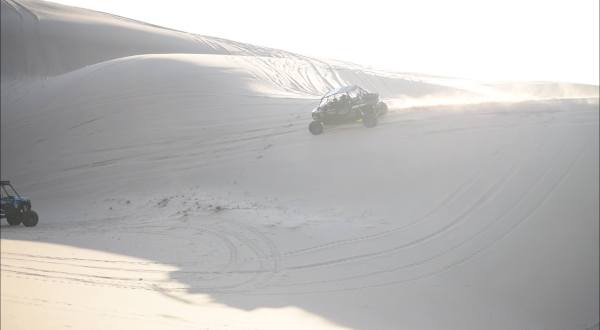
(383, 108)
(13, 221)
(30, 219)
(13, 218)
(369, 120)
(315, 127)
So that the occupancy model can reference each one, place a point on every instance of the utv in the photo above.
(347, 104)
(15, 208)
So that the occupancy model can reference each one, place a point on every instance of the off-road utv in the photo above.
(347, 104)
(15, 208)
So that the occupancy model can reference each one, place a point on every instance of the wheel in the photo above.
(13, 221)
(315, 127)
(369, 120)
(30, 219)
(383, 108)
(13, 218)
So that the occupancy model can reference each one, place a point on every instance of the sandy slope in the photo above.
(178, 187)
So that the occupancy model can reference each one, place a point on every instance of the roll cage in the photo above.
(7, 190)
(351, 93)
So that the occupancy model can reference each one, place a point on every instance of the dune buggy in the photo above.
(16, 208)
(347, 104)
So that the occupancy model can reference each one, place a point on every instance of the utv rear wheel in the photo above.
(30, 219)
(369, 120)
(13, 220)
(383, 108)
(315, 127)
(13, 217)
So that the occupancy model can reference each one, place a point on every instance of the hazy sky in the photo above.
(492, 40)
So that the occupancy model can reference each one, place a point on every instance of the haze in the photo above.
(176, 180)
(486, 40)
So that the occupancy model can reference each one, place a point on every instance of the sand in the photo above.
(178, 187)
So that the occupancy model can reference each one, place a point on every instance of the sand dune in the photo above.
(178, 187)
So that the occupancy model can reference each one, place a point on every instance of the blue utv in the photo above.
(15, 208)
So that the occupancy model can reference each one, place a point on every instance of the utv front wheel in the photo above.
(30, 219)
(369, 120)
(315, 127)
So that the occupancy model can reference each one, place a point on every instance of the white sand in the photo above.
(178, 187)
